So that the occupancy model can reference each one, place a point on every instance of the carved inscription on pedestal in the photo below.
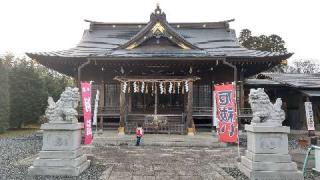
(270, 143)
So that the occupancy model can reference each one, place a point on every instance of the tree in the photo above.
(27, 85)
(28, 93)
(304, 66)
(272, 43)
(4, 96)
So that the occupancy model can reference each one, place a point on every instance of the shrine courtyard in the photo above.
(116, 157)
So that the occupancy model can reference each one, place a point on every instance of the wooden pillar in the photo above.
(122, 110)
(102, 104)
(242, 97)
(156, 99)
(190, 123)
(129, 102)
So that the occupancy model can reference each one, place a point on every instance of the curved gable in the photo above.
(157, 28)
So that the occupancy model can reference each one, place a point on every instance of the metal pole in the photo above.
(79, 79)
(79, 71)
(235, 79)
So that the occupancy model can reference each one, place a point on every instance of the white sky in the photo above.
(43, 25)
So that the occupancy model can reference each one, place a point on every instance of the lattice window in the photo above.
(112, 95)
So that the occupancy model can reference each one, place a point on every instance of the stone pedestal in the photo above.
(267, 155)
(61, 152)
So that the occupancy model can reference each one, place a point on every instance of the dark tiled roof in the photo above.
(102, 39)
(207, 39)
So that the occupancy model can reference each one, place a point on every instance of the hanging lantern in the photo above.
(152, 89)
(170, 87)
(164, 88)
(178, 87)
(147, 88)
(138, 87)
(142, 87)
(161, 87)
(129, 87)
(174, 88)
(135, 87)
(186, 86)
(124, 87)
(182, 90)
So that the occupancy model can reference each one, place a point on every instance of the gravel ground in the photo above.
(236, 173)
(13, 150)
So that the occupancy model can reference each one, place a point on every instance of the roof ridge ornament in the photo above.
(158, 14)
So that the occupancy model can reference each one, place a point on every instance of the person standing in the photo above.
(139, 134)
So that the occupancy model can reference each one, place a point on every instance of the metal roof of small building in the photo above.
(261, 82)
(300, 81)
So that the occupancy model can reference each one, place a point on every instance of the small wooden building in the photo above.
(159, 73)
(294, 90)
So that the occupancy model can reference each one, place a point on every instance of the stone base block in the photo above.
(121, 131)
(60, 162)
(274, 175)
(61, 137)
(277, 158)
(59, 171)
(191, 131)
(61, 154)
(268, 166)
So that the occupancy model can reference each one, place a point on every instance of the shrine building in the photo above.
(159, 73)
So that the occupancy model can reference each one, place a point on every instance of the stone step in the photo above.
(159, 140)
(268, 166)
(267, 175)
(58, 171)
(60, 162)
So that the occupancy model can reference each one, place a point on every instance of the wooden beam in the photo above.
(155, 78)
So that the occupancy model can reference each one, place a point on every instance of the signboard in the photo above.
(95, 111)
(214, 110)
(226, 112)
(309, 116)
(86, 107)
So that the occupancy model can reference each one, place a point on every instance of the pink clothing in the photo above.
(139, 132)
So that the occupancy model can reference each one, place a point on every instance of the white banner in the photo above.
(95, 112)
(214, 111)
(309, 116)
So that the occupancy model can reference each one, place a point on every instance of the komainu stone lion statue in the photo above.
(64, 110)
(264, 112)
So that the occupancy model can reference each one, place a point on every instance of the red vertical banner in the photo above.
(86, 107)
(226, 112)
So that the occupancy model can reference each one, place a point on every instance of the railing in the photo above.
(104, 110)
(172, 126)
(245, 112)
(202, 111)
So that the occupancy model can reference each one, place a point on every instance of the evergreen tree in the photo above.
(272, 43)
(4, 96)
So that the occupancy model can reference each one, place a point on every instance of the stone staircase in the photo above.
(111, 138)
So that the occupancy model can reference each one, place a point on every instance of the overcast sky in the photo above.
(47, 25)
